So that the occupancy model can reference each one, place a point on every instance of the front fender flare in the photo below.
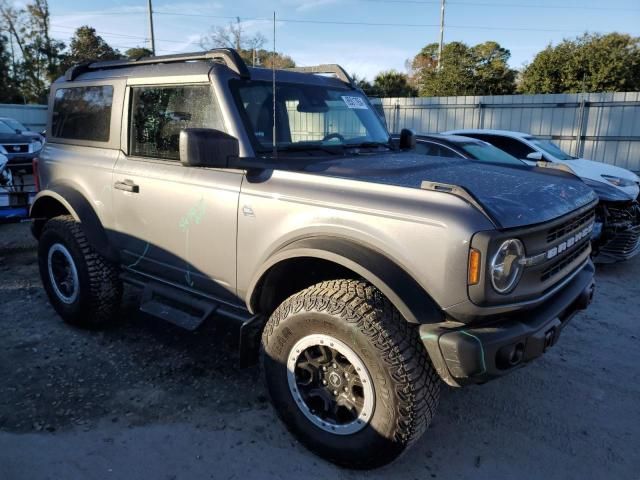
(402, 290)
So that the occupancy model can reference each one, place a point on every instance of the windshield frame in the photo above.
(261, 149)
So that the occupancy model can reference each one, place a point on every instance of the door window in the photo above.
(512, 146)
(159, 113)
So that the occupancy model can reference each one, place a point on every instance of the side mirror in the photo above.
(536, 157)
(407, 139)
(206, 147)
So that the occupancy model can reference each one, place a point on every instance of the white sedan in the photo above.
(532, 150)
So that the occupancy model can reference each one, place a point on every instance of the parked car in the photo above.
(14, 202)
(617, 229)
(18, 148)
(20, 129)
(457, 146)
(360, 274)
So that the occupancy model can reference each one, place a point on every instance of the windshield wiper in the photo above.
(368, 145)
(309, 147)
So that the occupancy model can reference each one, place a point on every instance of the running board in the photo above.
(175, 306)
(189, 310)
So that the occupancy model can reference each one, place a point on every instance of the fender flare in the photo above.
(402, 290)
(74, 202)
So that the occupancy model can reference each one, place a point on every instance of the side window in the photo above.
(82, 113)
(512, 146)
(159, 113)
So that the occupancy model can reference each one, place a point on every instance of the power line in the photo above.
(384, 24)
(506, 5)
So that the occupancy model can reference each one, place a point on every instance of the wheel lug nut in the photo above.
(334, 365)
(346, 389)
(324, 382)
(324, 369)
(335, 392)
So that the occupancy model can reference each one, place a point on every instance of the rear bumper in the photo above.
(464, 354)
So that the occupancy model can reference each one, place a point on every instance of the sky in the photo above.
(364, 36)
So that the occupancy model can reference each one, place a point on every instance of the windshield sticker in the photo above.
(357, 103)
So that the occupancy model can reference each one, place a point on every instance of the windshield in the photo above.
(488, 153)
(307, 116)
(14, 124)
(4, 128)
(551, 148)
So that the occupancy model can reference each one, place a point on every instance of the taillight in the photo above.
(36, 173)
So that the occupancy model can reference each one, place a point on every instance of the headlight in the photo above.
(506, 267)
(36, 146)
(619, 182)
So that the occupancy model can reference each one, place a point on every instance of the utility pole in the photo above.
(441, 34)
(151, 35)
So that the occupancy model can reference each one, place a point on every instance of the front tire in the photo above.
(83, 287)
(347, 374)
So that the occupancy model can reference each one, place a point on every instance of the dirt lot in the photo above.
(145, 400)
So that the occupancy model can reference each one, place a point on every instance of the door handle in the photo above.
(127, 186)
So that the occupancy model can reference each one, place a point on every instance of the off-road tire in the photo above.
(405, 383)
(99, 286)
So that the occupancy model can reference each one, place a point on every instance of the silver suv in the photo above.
(273, 203)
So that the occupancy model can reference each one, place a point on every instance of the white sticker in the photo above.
(355, 103)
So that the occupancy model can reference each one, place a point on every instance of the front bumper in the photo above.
(464, 354)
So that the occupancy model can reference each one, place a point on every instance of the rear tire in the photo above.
(83, 287)
(313, 344)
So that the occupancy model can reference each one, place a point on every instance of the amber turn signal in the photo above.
(474, 266)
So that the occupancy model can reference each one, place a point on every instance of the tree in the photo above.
(8, 88)
(363, 84)
(138, 52)
(250, 47)
(591, 63)
(37, 54)
(478, 70)
(86, 45)
(392, 84)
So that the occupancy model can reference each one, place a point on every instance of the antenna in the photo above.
(273, 86)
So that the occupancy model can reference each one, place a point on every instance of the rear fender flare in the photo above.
(76, 204)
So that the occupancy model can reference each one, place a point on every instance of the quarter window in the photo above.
(82, 113)
(159, 113)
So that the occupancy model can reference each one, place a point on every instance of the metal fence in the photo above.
(597, 126)
(32, 116)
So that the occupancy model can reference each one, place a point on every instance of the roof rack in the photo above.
(333, 68)
(227, 56)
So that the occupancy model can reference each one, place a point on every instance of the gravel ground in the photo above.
(146, 400)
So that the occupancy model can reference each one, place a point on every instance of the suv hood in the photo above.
(511, 196)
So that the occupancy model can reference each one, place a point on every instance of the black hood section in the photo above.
(11, 138)
(511, 196)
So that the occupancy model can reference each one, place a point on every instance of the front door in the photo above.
(174, 222)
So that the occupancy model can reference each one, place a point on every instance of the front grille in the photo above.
(623, 243)
(565, 261)
(570, 226)
(16, 148)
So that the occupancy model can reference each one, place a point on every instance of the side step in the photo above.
(189, 310)
(175, 306)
